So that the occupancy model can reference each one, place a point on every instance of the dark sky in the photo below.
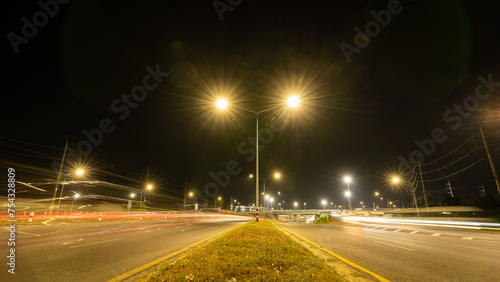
(359, 112)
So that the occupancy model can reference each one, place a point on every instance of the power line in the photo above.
(33, 144)
(461, 158)
(444, 177)
(428, 163)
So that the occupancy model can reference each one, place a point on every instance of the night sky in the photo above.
(367, 99)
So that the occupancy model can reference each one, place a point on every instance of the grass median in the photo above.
(256, 251)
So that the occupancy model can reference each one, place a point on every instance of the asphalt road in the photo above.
(98, 251)
(410, 253)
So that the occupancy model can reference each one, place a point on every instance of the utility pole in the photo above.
(422, 179)
(59, 176)
(495, 175)
(449, 191)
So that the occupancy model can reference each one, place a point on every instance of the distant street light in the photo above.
(74, 197)
(295, 205)
(141, 200)
(348, 195)
(276, 176)
(348, 180)
(78, 172)
(324, 203)
(222, 104)
(305, 205)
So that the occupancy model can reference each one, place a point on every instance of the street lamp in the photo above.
(271, 200)
(222, 104)
(348, 195)
(348, 180)
(78, 172)
(295, 205)
(267, 200)
(141, 200)
(276, 176)
(324, 203)
(305, 205)
(75, 197)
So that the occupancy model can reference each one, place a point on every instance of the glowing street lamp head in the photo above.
(347, 179)
(348, 194)
(267, 196)
(132, 195)
(221, 104)
(79, 171)
(323, 202)
(293, 101)
(150, 187)
(395, 180)
(76, 196)
(251, 175)
(276, 175)
(190, 194)
(271, 199)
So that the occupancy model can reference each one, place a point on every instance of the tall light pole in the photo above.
(348, 180)
(276, 176)
(75, 197)
(348, 195)
(396, 180)
(222, 104)
(78, 172)
(132, 195)
(141, 200)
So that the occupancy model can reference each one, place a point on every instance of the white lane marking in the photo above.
(486, 241)
(47, 221)
(436, 234)
(384, 229)
(182, 230)
(72, 241)
(398, 230)
(28, 233)
(147, 231)
(414, 232)
(479, 248)
(100, 242)
(395, 246)
(467, 238)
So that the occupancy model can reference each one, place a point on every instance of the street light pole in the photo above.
(257, 167)
(293, 102)
(76, 196)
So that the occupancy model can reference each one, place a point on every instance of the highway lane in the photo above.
(99, 251)
(410, 253)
